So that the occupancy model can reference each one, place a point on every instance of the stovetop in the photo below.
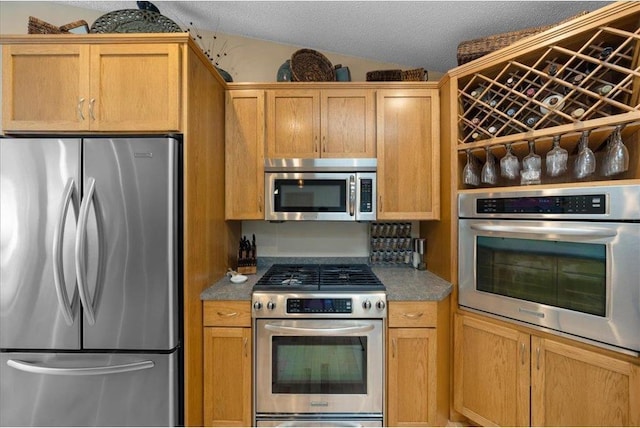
(319, 278)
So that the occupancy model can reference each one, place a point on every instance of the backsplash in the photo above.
(312, 238)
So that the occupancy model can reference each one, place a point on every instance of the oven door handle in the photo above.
(329, 424)
(587, 232)
(323, 331)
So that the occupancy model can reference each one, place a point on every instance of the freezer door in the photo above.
(38, 210)
(88, 389)
(128, 270)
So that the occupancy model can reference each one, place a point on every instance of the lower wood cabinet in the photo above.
(417, 370)
(227, 363)
(503, 376)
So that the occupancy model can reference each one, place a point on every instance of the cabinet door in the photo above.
(135, 87)
(293, 124)
(412, 375)
(408, 149)
(575, 387)
(227, 376)
(411, 398)
(348, 124)
(46, 87)
(244, 155)
(491, 373)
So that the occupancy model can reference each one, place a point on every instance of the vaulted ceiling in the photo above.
(416, 33)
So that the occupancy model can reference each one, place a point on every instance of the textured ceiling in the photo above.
(415, 33)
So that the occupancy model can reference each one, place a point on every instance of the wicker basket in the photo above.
(308, 65)
(38, 26)
(476, 48)
(384, 75)
(417, 74)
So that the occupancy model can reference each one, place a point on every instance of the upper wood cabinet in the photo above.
(408, 150)
(244, 155)
(311, 123)
(91, 87)
(506, 377)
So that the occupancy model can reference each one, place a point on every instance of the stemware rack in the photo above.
(586, 81)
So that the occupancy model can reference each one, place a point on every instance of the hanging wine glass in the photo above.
(616, 160)
(586, 161)
(556, 159)
(470, 172)
(509, 165)
(488, 175)
(531, 166)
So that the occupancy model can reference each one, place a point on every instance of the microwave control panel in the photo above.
(366, 195)
(572, 204)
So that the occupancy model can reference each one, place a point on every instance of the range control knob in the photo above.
(257, 305)
(366, 304)
(381, 305)
(270, 305)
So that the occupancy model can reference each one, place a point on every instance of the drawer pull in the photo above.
(413, 315)
(227, 314)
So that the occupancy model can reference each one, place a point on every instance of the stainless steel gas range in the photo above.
(319, 346)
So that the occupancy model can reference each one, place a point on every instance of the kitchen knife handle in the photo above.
(81, 262)
(66, 306)
(80, 371)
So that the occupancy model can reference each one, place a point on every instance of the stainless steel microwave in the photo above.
(320, 189)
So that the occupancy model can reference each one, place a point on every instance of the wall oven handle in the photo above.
(330, 424)
(325, 331)
(588, 232)
(80, 371)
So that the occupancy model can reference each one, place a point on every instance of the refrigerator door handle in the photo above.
(80, 371)
(81, 262)
(66, 306)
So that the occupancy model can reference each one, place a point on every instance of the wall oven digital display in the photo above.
(581, 204)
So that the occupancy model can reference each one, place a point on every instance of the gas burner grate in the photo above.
(312, 277)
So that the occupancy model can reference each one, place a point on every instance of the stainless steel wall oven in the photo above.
(319, 353)
(565, 260)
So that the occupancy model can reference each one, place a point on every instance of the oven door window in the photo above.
(568, 275)
(310, 195)
(319, 365)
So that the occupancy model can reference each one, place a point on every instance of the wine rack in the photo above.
(586, 81)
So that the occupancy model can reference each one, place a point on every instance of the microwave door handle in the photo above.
(352, 195)
(587, 232)
(325, 331)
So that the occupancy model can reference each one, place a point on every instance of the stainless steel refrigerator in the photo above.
(90, 282)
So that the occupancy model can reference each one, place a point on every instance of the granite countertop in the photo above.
(402, 282)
